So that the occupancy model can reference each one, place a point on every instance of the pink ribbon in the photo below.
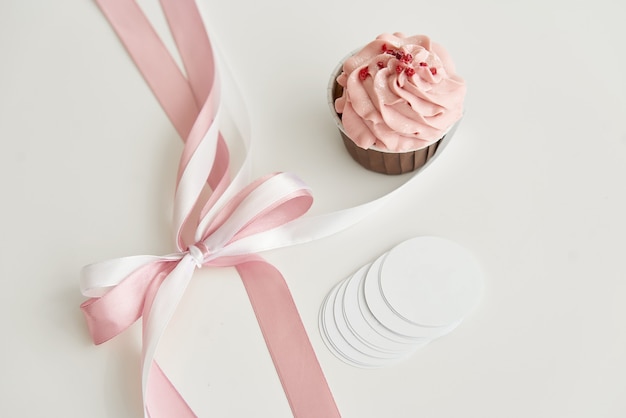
(218, 223)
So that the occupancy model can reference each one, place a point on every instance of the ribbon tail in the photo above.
(295, 361)
(163, 399)
(150, 55)
(161, 300)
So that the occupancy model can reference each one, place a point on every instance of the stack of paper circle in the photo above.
(416, 292)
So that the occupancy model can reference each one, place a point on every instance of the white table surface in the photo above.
(532, 184)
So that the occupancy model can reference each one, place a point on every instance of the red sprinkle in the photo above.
(433, 71)
(363, 74)
(399, 69)
(407, 58)
(423, 64)
(384, 47)
(409, 71)
(380, 64)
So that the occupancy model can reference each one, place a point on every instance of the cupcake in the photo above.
(395, 100)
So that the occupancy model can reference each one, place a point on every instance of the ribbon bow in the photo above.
(218, 223)
(120, 289)
(123, 290)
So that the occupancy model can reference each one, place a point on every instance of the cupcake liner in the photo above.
(374, 160)
(389, 162)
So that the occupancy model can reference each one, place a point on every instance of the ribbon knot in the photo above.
(199, 252)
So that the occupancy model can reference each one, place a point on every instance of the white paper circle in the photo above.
(330, 334)
(419, 290)
(348, 335)
(430, 281)
(341, 348)
(377, 326)
(360, 326)
(387, 317)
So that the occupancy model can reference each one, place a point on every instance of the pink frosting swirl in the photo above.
(400, 93)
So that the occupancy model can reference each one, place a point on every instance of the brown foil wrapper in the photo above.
(374, 160)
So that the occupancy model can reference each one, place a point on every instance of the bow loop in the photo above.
(121, 304)
(263, 205)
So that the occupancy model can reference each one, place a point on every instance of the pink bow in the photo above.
(122, 304)
(218, 223)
